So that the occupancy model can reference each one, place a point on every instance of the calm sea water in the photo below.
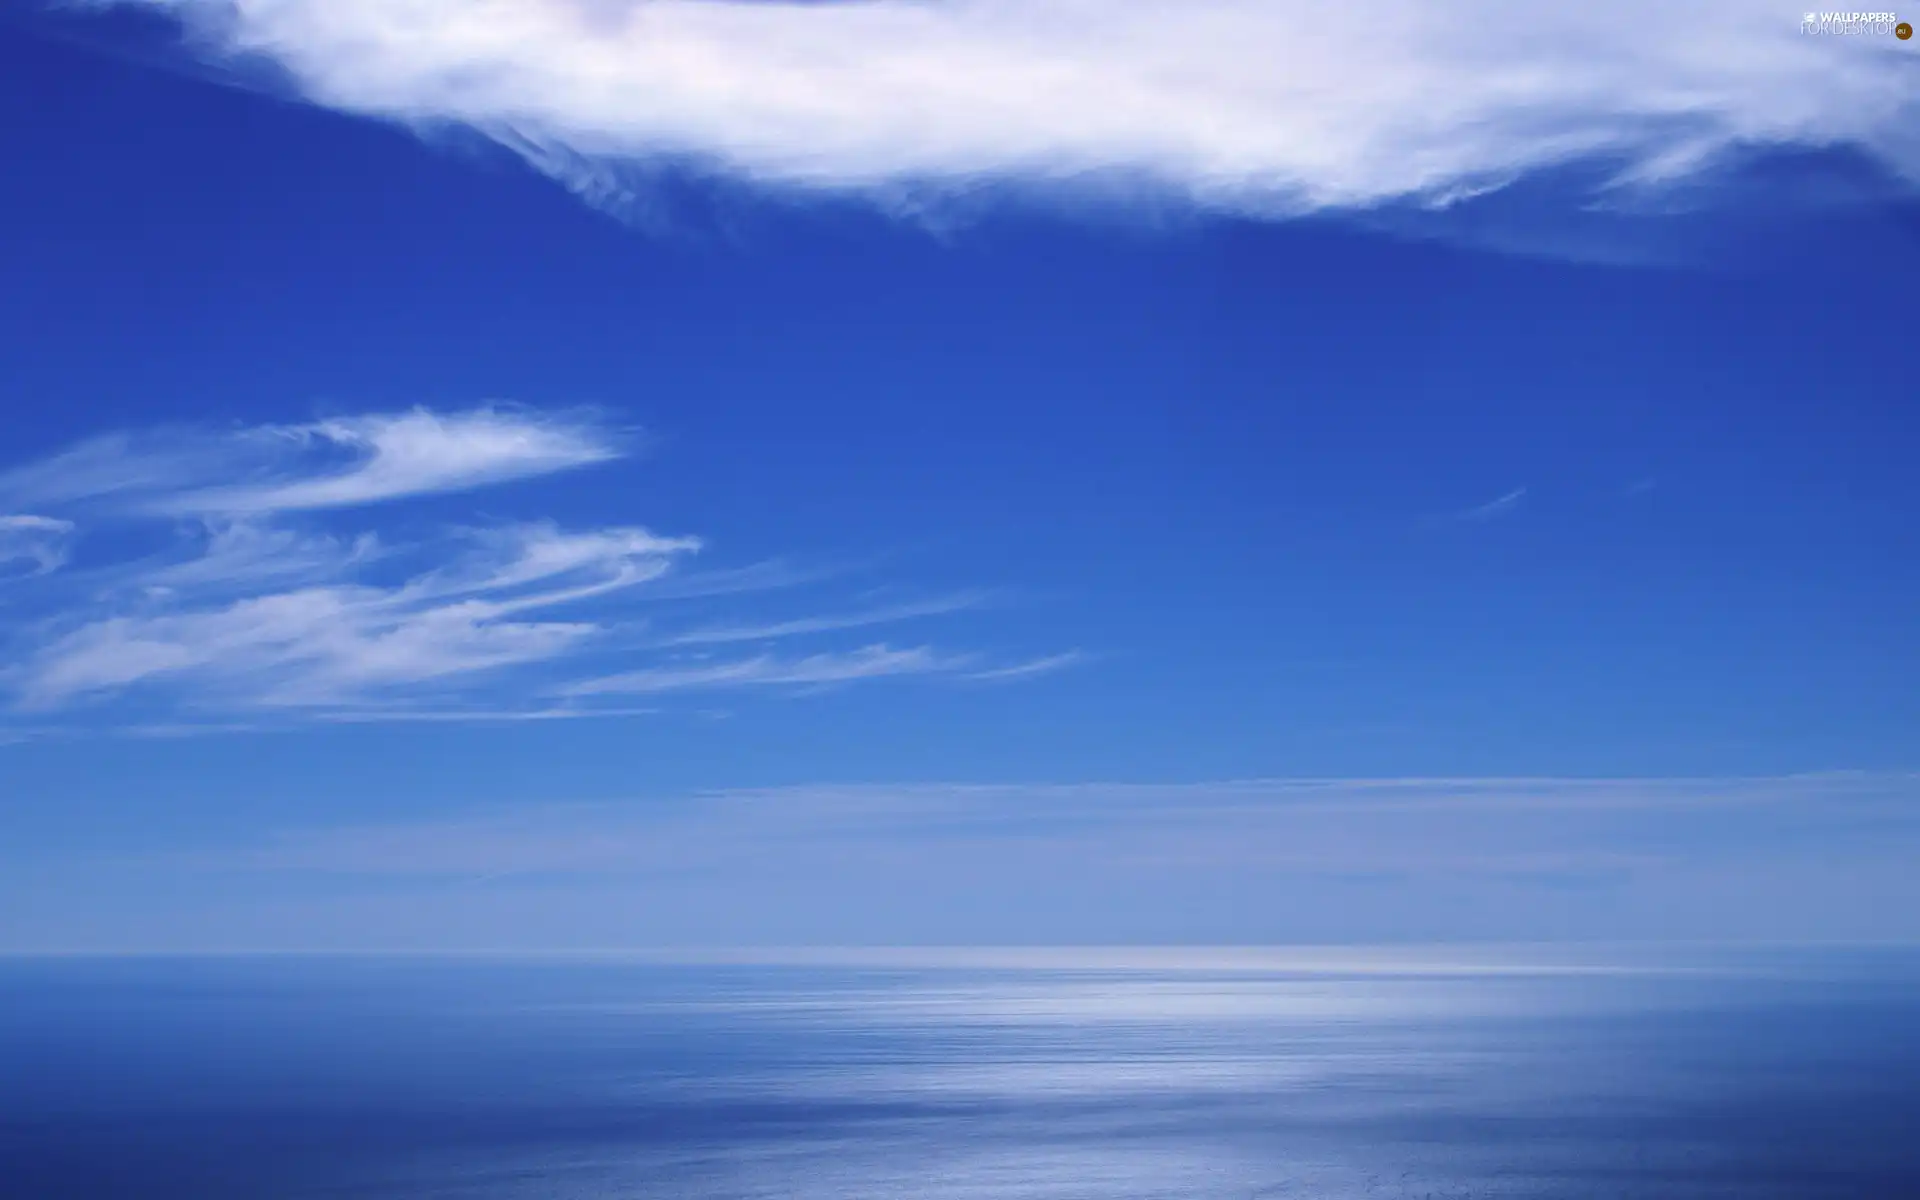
(1096, 1076)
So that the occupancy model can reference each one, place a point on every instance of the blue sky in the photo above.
(574, 475)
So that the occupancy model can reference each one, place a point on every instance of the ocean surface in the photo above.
(1064, 1075)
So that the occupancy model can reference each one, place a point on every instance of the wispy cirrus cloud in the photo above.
(328, 644)
(264, 583)
(1499, 506)
(1429, 824)
(1251, 106)
(722, 634)
(338, 463)
(40, 542)
(1502, 505)
(1032, 667)
(1824, 855)
(762, 670)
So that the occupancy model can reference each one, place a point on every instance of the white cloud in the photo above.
(1026, 670)
(767, 670)
(1199, 864)
(1257, 106)
(1595, 829)
(327, 464)
(480, 716)
(250, 603)
(721, 634)
(331, 644)
(410, 454)
(40, 541)
(243, 554)
(1499, 506)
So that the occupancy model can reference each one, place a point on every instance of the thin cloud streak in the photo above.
(1250, 106)
(339, 463)
(723, 634)
(951, 836)
(479, 716)
(868, 662)
(772, 575)
(1825, 857)
(1499, 506)
(240, 601)
(416, 453)
(326, 645)
(1027, 670)
(41, 541)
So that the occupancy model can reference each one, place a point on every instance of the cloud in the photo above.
(337, 463)
(1257, 862)
(1030, 668)
(39, 541)
(721, 634)
(236, 592)
(766, 670)
(1321, 826)
(1499, 506)
(1248, 106)
(325, 645)
(482, 716)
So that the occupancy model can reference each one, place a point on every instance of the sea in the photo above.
(965, 1074)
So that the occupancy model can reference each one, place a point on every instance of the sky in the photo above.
(579, 474)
